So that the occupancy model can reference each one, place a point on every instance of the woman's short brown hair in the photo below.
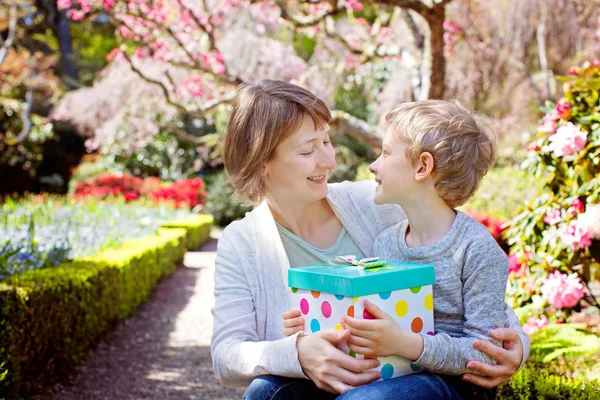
(263, 115)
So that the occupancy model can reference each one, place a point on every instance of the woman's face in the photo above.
(299, 169)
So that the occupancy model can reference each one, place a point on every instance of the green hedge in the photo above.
(533, 382)
(195, 227)
(49, 318)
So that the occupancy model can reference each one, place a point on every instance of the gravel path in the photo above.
(162, 351)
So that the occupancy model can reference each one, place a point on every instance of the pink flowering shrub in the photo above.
(561, 290)
(534, 324)
(560, 228)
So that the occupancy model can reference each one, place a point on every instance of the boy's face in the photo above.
(300, 167)
(393, 172)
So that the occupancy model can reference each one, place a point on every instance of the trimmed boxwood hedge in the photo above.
(49, 318)
(196, 232)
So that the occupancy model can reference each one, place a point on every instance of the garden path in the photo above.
(163, 350)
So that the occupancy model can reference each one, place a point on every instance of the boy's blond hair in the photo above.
(263, 115)
(462, 145)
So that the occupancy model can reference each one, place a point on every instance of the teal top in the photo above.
(300, 252)
(353, 281)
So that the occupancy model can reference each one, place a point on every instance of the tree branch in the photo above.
(25, 116)
(343, 122)
(161, 85)
(414, 5)
(304, 21)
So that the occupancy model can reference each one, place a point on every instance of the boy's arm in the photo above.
(513, 322)
(483, 287)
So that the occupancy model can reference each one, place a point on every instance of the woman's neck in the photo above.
(314, 222)
(428, 221)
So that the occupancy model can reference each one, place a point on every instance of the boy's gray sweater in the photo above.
(470, 283)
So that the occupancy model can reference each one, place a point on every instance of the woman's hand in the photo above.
(328, 367)
(509, 358)
(292, 322)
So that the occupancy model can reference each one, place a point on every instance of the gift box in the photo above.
(325, 293)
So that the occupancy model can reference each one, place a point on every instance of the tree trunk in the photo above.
(59, 23)
(435, 19)
(63, 33)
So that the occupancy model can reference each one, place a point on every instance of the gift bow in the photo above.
(363, 263)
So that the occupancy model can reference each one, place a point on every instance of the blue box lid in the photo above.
(353, 281)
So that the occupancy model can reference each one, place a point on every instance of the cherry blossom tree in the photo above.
(200, 45)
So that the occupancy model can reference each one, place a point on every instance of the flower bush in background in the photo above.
(555, 240)
(187, 193)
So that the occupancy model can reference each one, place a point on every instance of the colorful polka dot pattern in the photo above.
(412, 308)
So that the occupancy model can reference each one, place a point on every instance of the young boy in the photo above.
(433, 158)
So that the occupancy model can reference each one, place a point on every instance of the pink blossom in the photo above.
(562, 290)
(125, 32)
(563, 109)
(576, 235)
(193, 86)
(591, 220)
(517, 265)
(549, 123)
(535, 324)
(115, 54)
(568, 140)
(575, 208)
(352, 62)
(64, 4)
(140, 52)
(316, 9)
(108, 4)
(355, 5)
(453, 27)
(75, 15)
(574, 71)
(553, 216)
(384, 34)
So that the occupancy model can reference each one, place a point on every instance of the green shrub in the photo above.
(494, 200)
(568, 350)
(49, 318)
(533, 382)
(219, 202)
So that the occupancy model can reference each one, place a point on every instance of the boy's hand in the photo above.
(292, 322)
(375, 337)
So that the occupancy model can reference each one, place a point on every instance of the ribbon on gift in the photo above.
(363, 263)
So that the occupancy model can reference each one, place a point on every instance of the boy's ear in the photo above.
(264, 171)
(425, 166)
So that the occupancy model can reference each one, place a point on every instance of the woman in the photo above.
(278, 155)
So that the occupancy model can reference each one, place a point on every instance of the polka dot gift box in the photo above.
(325, 293)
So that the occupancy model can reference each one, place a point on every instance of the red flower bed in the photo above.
(106, 185)
(187, 193)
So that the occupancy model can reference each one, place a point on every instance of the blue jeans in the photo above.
(416, 386)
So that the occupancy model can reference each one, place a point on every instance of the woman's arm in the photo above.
(238, 354)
